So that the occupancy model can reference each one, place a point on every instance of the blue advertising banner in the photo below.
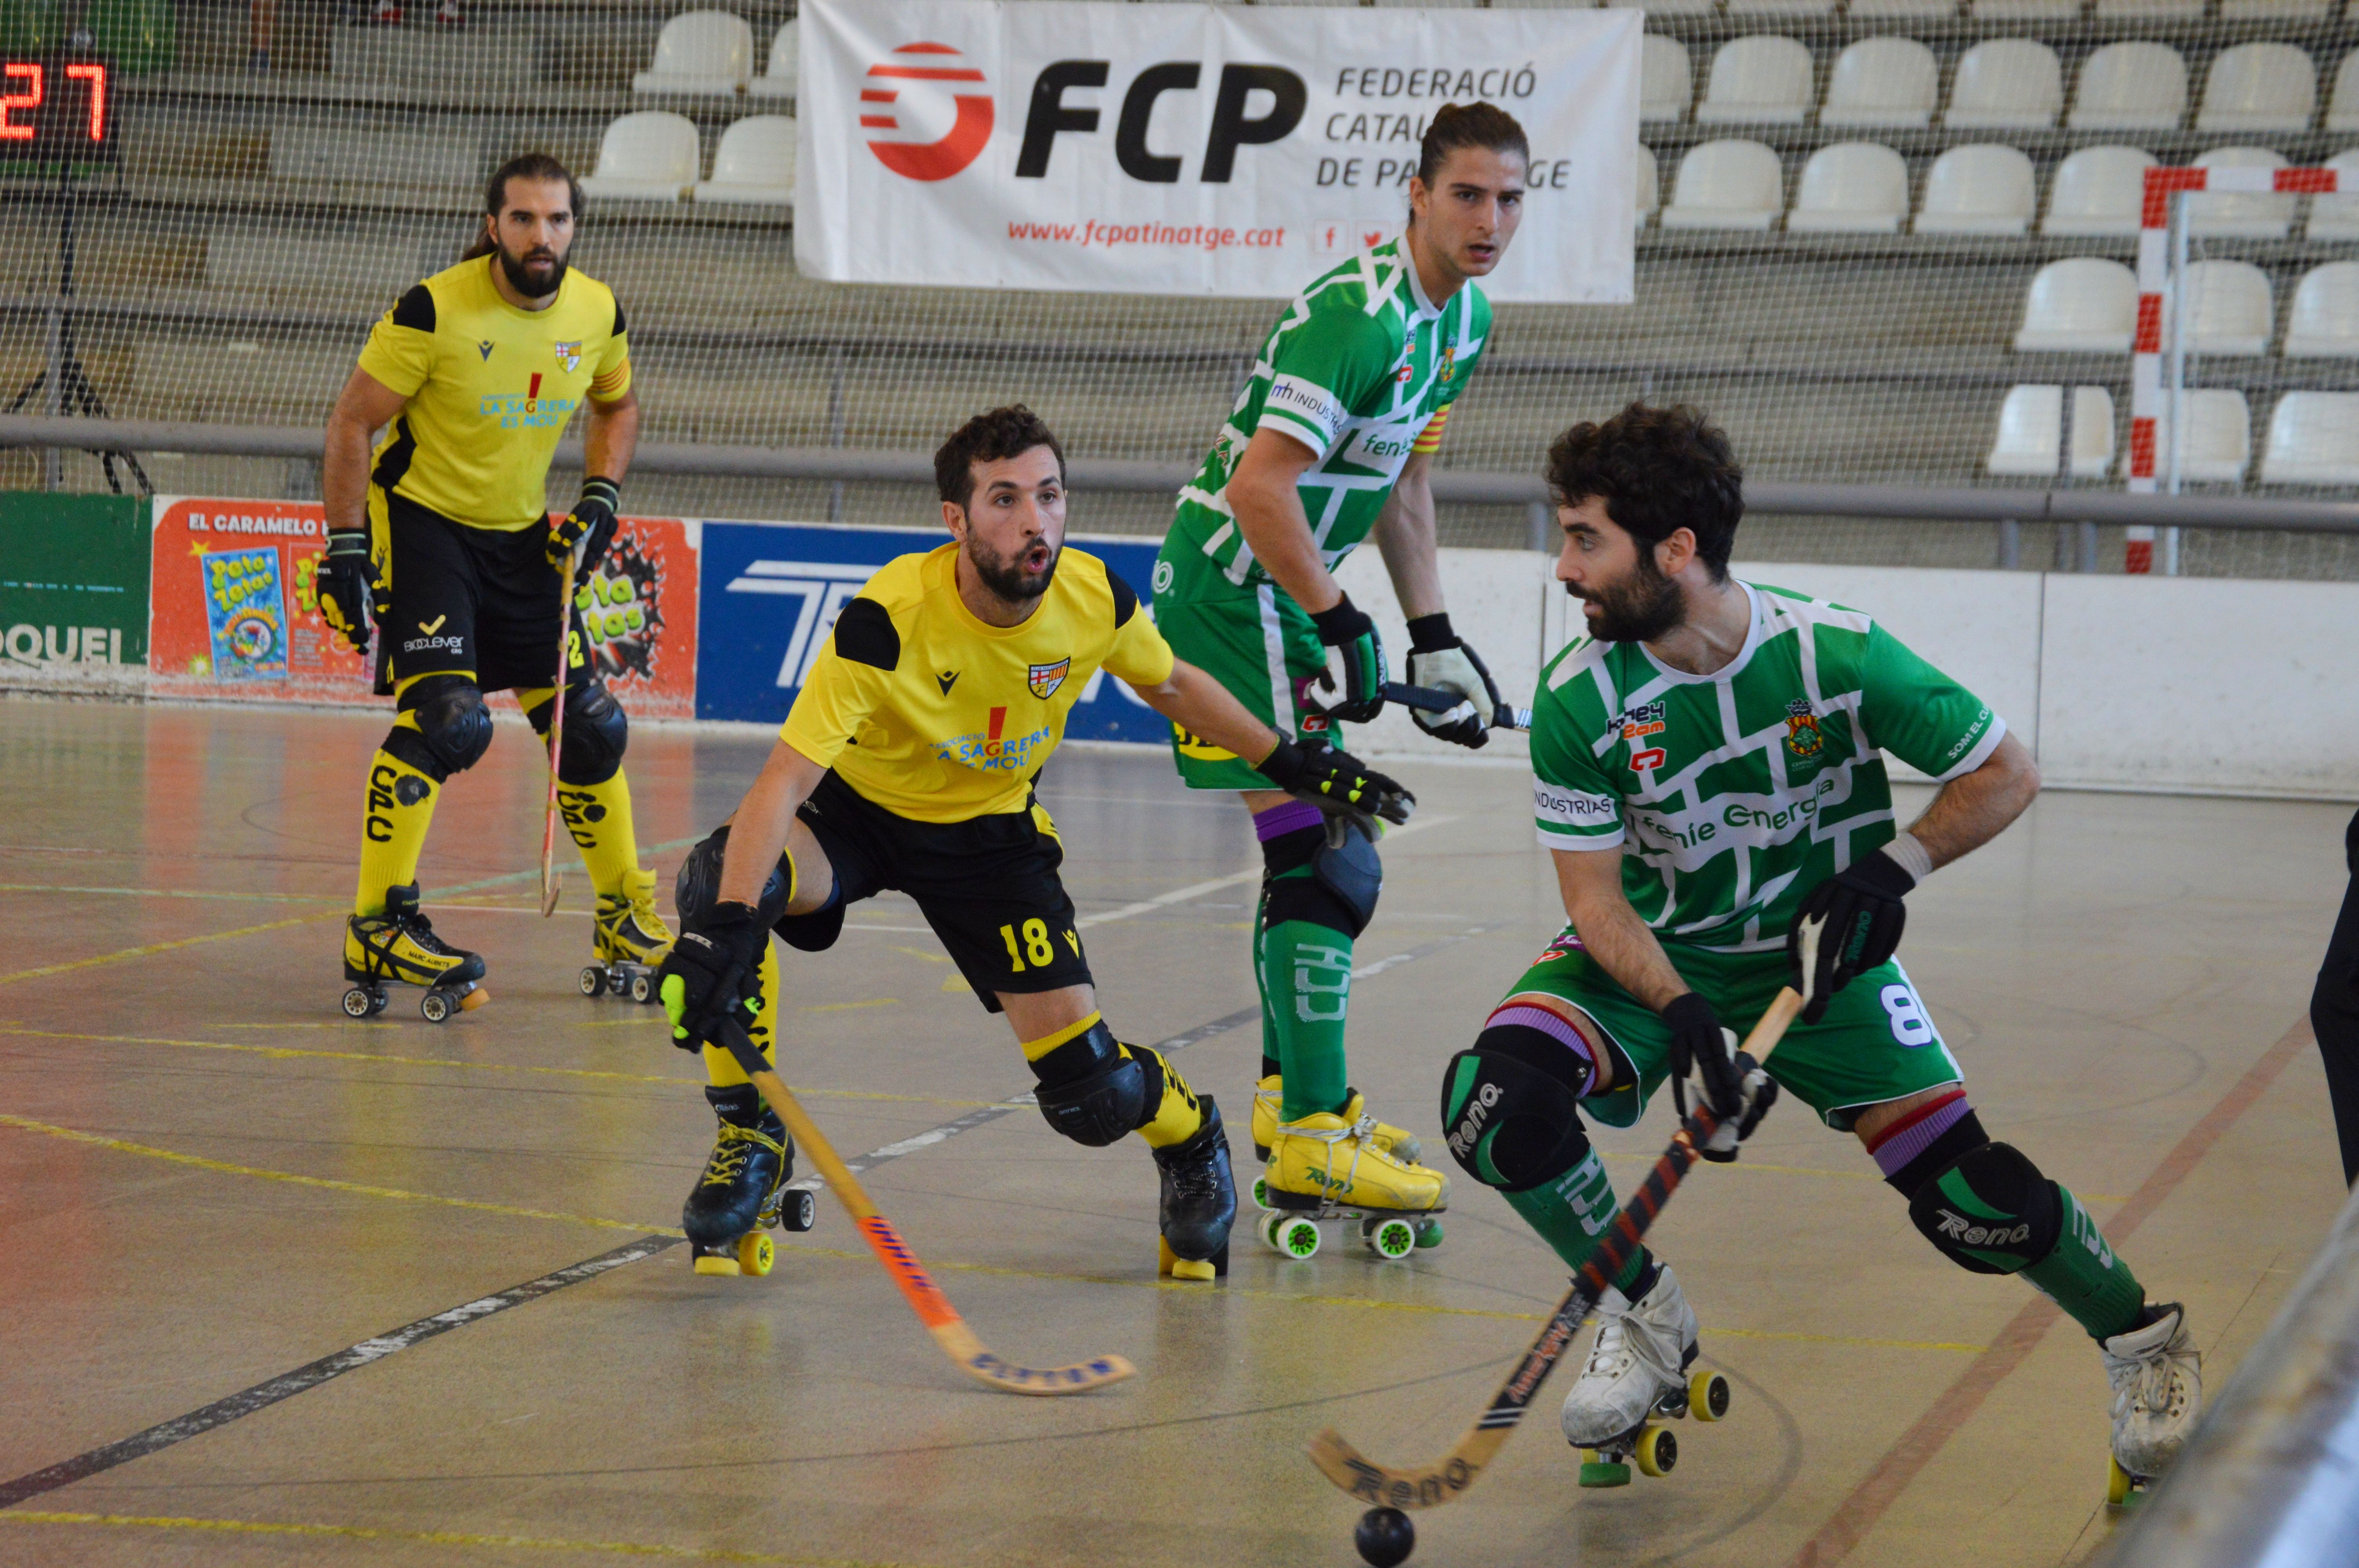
(771, 592)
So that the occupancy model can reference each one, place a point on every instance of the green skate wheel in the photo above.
(1261, 1191)
(1429, 1234)
(1289, 1234)
(1389, 1238)
(756, 1253)
(359, 1003)
(1659, 1451)
(593, 981)
(1707, 1396)
(435, 1005)
(1598, 1471)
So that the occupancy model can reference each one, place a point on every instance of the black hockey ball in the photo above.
(1384, 1537)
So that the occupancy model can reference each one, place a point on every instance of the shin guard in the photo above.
(721, 1069)
(598, 816)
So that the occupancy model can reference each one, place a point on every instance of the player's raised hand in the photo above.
(590, 524)
(341, 587)
(1335, 781)
(1849, 923)
(1440, 661)
(1346, 628)
(705, 977)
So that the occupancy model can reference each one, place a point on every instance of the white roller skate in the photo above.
(2158, 1378)
(1637, 1371)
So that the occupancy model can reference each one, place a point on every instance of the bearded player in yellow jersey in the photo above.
(442, 535)
(907, 762)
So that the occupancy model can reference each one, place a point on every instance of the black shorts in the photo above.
(457, 597)
(988, 886)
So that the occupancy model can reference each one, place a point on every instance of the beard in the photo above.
(532, 285)
(1645, 608)
(1016, 578)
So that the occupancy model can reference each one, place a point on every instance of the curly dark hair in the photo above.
(1458, 126)
(1658, 471)
(1008, 432)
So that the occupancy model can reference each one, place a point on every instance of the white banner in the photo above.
(1193, 149)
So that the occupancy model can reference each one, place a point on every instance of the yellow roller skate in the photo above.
(1268, 1095)
(1324, 1167)
(629, 942)
(400, 946)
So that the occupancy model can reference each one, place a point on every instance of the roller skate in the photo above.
(400, 945)
(1269, 1097)
(743, 1190)
(1637, 1373)
(1200, 1201)
(630, 941)
(2158, 1379)
(1325, 1168)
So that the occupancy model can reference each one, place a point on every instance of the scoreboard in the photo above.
(56, 106)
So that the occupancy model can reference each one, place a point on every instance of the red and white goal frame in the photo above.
(2154, 278)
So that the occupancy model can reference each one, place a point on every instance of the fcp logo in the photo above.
(892, 99)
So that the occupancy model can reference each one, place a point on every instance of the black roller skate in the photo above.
(744, 1191)
(1200, 1201)
(400, 945)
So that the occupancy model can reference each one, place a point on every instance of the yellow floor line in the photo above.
(159, 947)
(179, 892)
(440, 1538)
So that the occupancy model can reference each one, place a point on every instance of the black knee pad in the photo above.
(1341, 891)
(454, 728)
(1094, 1092)
(597, 733)
(1990, 1211)
(698, 886)
(1511, 1108)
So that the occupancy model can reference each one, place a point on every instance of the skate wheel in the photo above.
(1429, 1234)
(1708, 1396)
(593, 981)
(1389, 1238)
(435, 1005)
(1599, 1471)
(756, 1253)
(1289, 1234)
(2121, 1487)
(797, 1210)
(1659, 1451)
(643, 989)
(359, 1003)
(1261, 1191)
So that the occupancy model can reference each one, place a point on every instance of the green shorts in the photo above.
(1261, 646)
(1876, 1043)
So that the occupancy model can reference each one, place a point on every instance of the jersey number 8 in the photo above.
(1909, 1024)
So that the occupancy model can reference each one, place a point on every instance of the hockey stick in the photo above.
(1430, 1485)
(1431, 700)
(552, 880)
(917, 1288)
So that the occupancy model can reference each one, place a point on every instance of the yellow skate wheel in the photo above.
(1707, 1396)
(2120, 1487)
(756, 1253)
(1659, 1451)
(1389, 1238)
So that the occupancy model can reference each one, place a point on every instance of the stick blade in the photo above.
(1048, 1382)
(1380, 1485)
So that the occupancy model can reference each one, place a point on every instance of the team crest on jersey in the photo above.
(569, 356)
(1803, 741)
(1044, 680)
(1449, 364)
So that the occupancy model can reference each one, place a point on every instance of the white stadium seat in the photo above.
(755, 164)
(2219, 437)
(2259, 87)
(1978, 189)
(2337, 217)
(1781, 8)
(2148, 10)
(1883, 81)
(647, 156)
(1903, 10)
(1853, 188)
(2342, 109)
(2024, 10)
(2314, 440)
(1763, 79)
(1650, 185)
(2323, 323)
(1727, 185)
(2030, 440)
(777, 78)
(2223, 215)
(1666, 79)
(1653, 8)
(2010, 84)
(2273, 10)
(2131, 87)
(2098, 190)
(2079, 305)
(2229, 310)
(707, 53)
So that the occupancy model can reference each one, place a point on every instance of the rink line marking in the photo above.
(1867, 1503)
(154, 947)
(176, 893)
(445, 1538)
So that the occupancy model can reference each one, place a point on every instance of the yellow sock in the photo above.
(399, 809)
(721, 1069)
(1035, 1049)
(599, 817)
(1180, 1116)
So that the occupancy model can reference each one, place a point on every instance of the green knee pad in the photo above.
(1992, 1212)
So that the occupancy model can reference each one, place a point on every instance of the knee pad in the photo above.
(1990, 1211)
(698, 889)
(1094, 1092)
(597, 733)
(1511, 1108)
(1341, 891)
(454, 728)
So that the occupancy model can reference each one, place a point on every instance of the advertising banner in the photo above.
(73, 584)
(772, 592)
(235, 614)
(1194, 149)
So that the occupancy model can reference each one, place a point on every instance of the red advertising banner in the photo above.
(234, 614)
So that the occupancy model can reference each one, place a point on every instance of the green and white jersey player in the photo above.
(1328, 445)
(1709, 775)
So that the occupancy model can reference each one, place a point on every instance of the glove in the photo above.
(1347, 627)
(1337, 782)
(1849, 924)
(1437, 659)
(1703, 1058)
(1760, 1092)
(590, 524)
(341, 587)
(704, 978)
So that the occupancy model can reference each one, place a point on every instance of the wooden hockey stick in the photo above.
(917, 1288)
(1430, 1485)
(552, 880)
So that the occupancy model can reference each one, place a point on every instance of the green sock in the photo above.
(2083, 1274)
(1572, 1215)
(1305, 974)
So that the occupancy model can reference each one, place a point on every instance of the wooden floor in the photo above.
(258, 1304)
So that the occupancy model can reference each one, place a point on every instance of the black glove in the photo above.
(1702, 1056)
(1438, 661)
(1760, 1092)
(1849, 924)
(1336, 782)
(1346, 627)
(708, 974)
(590, 524)
(341, 586)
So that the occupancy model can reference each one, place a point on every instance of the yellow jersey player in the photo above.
(907, 762)
(443, 536)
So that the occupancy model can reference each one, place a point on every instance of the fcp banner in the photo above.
(1194, 149)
